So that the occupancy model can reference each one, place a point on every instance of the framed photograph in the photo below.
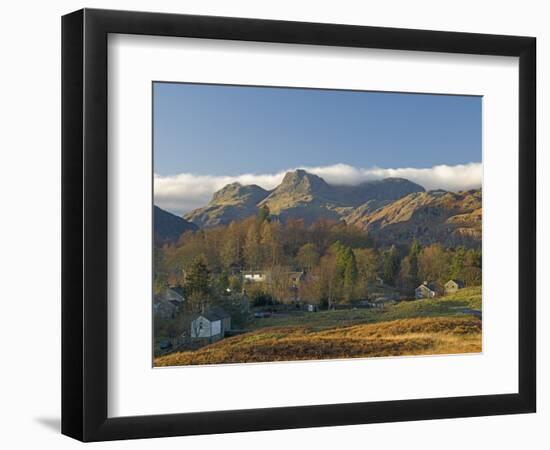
(273, 224)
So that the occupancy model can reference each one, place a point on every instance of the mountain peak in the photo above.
(236, 192)
(302, 181)
(301, 194)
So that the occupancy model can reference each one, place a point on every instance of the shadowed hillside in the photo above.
(169, 227)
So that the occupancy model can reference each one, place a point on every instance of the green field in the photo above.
(469, 298)
(419, 327)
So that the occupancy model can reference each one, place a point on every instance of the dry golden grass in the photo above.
(415, 336)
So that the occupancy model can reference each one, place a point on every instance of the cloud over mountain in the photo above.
(184, 192)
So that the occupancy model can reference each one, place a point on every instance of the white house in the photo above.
(211, 324)
(257, 276)
(426, 290)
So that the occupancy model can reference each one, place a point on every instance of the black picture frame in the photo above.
(84, 224)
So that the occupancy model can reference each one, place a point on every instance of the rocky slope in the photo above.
(433, 216)
(392, 210)
(301, 195)
(232, 202)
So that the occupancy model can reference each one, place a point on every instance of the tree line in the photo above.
(339, 261)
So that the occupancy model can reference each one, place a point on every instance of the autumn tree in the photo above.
(251, 249)
(308, 256)
(368, 263)
(433, 264)
(328, 279)
(279, 284)
(294, 236)
(320, 234)
(231, 249)
(368, 266)
(271, 247)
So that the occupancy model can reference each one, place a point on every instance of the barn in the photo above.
(211, 325)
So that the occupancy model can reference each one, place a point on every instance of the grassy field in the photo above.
(422, 327)
(450, 305)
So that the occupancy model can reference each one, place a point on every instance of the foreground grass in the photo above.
(412, 336)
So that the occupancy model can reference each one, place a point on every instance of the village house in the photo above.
(167, 305)
(174, 293)
(265, 276)
(426, 290)
(255, 275)
(453, 285)
(211, 325)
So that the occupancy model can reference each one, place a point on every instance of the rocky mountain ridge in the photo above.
(391, 210)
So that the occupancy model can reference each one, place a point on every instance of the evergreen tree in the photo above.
(457, 263)
(197, 278)
(391, 266)
(350, 274)
(264, 214)
(413, 262)
(346, 267)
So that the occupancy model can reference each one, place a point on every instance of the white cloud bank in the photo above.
(184, 192)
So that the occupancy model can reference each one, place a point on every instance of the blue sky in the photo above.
(225, 130)
(206, 136)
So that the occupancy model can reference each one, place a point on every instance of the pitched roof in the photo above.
(215, 313)
(430, 286)
(177, 289)
(458, 282)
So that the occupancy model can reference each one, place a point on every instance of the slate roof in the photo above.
(177, 289)
(458, 282)
(214, 314)
(430, 286)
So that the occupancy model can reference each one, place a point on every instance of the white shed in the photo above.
(211, 324)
